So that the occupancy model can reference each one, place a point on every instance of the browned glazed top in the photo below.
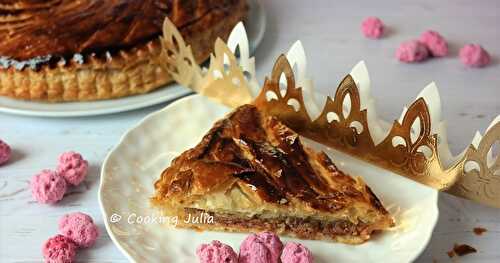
(33, 28)
(280, 167)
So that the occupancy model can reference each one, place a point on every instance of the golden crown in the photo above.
(414, 146)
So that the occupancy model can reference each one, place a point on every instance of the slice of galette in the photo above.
(252, 173)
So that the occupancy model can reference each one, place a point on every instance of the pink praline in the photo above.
(216, 252)
(48, 187)
(474, 55)
(296, 253)
(59, 249)
(412, 51)
(372, 27)
(72, 167)
(435, 43)
(80, 228)
(5, 152)
(264, 247)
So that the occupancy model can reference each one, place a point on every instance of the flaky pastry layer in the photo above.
(252, 168)
(124, 73)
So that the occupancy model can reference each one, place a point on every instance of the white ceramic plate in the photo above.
(131, 168)
(255, 24)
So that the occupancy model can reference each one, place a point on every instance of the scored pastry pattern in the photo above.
(50, 53)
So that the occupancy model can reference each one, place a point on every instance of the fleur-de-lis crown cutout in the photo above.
(414, 146)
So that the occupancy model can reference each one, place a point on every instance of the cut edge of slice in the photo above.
(232, 177)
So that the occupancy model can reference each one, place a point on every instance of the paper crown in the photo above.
(415, 146)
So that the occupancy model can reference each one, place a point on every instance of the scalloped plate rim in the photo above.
(418, 251)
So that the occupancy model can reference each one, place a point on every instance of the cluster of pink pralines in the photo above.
(429, 44)
(49, 186)
(76, 230)
(264, 247)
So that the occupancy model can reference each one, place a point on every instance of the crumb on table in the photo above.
(461, 250)
(479, 230)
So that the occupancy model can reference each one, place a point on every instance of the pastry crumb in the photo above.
(461, 250)
(479, 230)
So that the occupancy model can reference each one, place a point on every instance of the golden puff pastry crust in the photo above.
(63, 50)
(250, 172)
